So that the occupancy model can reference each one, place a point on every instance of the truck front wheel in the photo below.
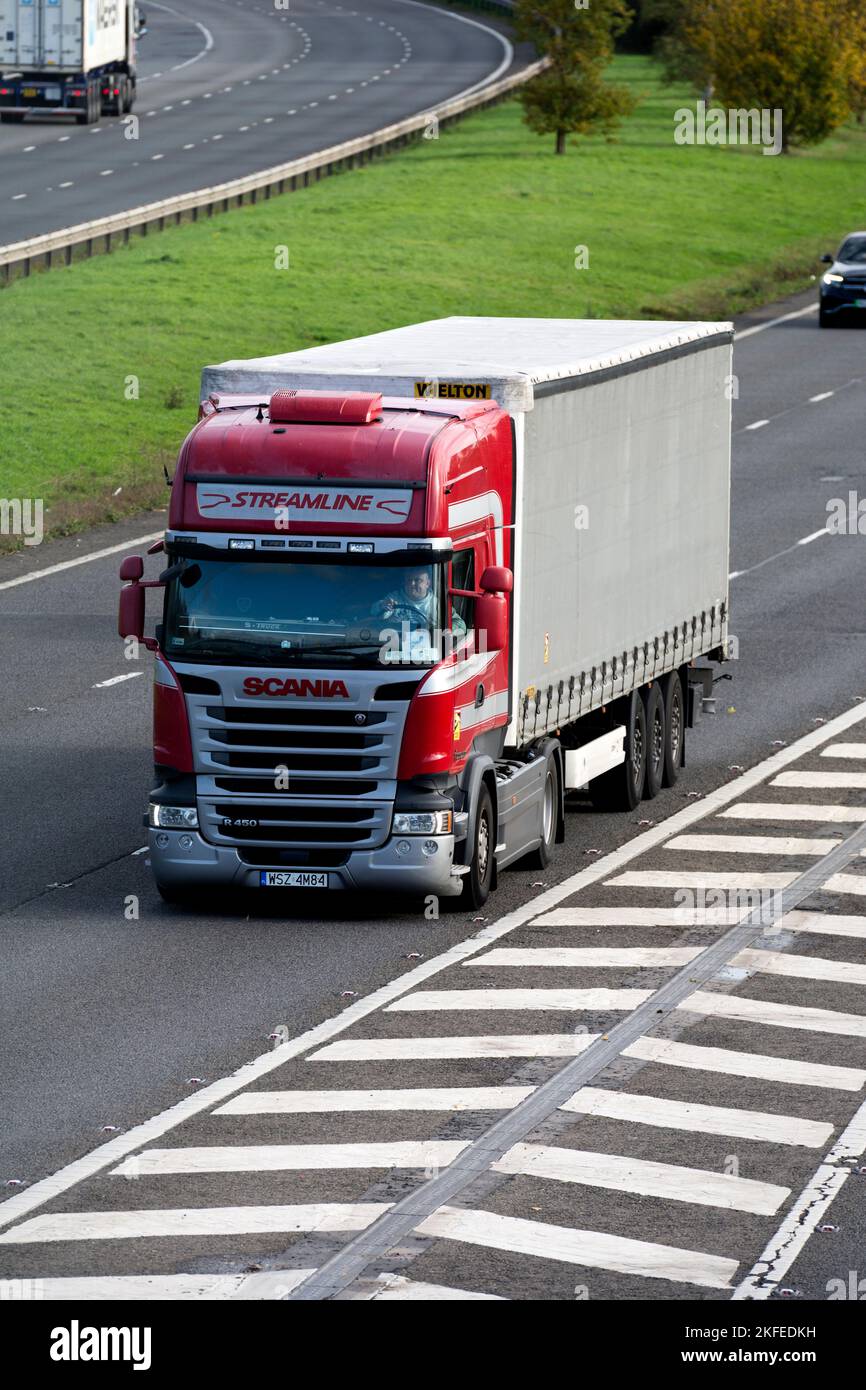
(476, 884)
(622, 788)
(541, 857)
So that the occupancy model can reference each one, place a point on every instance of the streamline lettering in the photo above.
(305, 501)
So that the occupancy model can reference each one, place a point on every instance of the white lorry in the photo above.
(74, 57)
(549, 495)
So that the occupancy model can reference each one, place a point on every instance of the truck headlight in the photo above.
(173, 817)
(833, 279)
(422, 823)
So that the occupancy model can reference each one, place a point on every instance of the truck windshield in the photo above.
(288, 613)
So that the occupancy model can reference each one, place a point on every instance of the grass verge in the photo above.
(99, 363)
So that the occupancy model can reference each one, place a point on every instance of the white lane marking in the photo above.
(846, 883)
(780, 554)
(508, 51)
(115, 680)
(642, 917)
(773, 323)
(787, 1071)
(104, 173)
(98, 1159)
(844, 750)
(757, 425)
(822, 396)
(16, 197)
(843, 972)
(68, 184)
(752, 844)
(807, 1212)
(448, 1098)
(422, 1049)
(698, 1119)
(28, 148)
(394, 1288)
(617, 1173)
(665, 878)
(155, 1287)
(826, 780)
(823, 923)
(594, 1249)
(588, 957)
(439, 1000)
(774, 1015)
(278, 1158)
(194, 1221)
(790, 810)
(80, 560)
(208, 37)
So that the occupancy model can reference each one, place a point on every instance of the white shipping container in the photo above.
(622, 488)
(69, 35)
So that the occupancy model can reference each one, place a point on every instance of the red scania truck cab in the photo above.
(386, 649)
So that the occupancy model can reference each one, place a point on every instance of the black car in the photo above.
(843, 287)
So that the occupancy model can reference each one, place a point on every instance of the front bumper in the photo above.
(216, 866)
(840, 301)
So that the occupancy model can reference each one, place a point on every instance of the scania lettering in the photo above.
(67, 57)
(399, 627)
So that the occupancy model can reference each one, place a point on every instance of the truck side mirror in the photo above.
(131, 568)
(826, 260)
(130, 617)
(491, 621)
(496, 579)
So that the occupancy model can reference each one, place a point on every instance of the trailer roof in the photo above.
(510, 357)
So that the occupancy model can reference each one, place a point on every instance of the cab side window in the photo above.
(462, 609)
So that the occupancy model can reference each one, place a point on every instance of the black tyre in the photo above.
(179, 897)
(622, 788)
(824, 319)
(675, 728)
(656, 743)
(476, 884)
(541, 857)
(12, 117)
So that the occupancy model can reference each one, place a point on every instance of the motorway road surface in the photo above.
(671, 1172)
(229, 87)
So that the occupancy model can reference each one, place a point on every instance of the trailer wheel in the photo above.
(656, 742)
(476, 884)
(12, 117)
(675, 728)
(622, 788)
(541, 857)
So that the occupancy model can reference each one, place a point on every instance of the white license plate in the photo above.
(51, 93)
(276, 878)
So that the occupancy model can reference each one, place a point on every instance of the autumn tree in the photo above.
(802, 57)
(571, 96)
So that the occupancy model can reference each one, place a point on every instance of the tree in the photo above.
(571, 96)
(802, 57)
